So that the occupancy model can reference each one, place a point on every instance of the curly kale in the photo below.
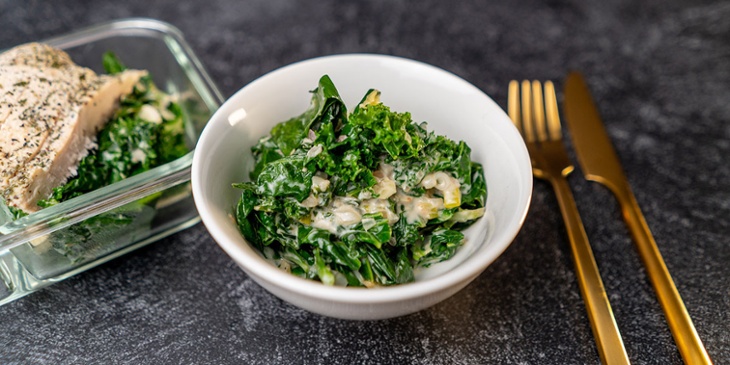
(326, 158)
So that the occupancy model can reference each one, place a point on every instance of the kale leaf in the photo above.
(112, 64)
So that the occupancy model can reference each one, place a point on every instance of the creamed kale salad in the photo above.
(360, 198)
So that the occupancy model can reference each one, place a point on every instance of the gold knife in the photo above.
(600, 163)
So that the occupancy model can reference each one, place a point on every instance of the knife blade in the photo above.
(600, 163)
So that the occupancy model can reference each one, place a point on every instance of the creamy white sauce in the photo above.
(319, 185)
(314, 151)
(310, 202)
(385, 188)
(282, 178)
(341, 212)
(391, 201)
(381, 206)
(447, 185)
(166, 114)
(150, 114)
(418, 209)
(138, 155)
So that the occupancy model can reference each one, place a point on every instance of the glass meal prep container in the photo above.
(63, 240)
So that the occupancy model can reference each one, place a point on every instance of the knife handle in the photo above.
(608, 338)
(680, 324)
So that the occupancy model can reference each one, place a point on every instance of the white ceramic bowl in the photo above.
(450, 105)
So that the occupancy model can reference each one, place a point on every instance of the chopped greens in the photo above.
(359, 198)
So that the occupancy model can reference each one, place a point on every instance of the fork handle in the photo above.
(608, 338)
(685, 335)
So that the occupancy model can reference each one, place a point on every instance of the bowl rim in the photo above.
(260, 269)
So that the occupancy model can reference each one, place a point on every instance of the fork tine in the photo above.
(551, 106)
(538, 111)
(550, 162)
(527, 112)
(513, 104)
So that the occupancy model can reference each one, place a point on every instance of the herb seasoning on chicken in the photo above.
(50, 112)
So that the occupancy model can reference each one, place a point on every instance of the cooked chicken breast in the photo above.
(50, 113)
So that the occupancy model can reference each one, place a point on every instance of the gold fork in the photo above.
(550, 162)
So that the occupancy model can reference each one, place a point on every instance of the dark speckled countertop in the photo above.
(661, 73)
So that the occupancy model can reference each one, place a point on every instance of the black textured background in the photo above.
(661, 73)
